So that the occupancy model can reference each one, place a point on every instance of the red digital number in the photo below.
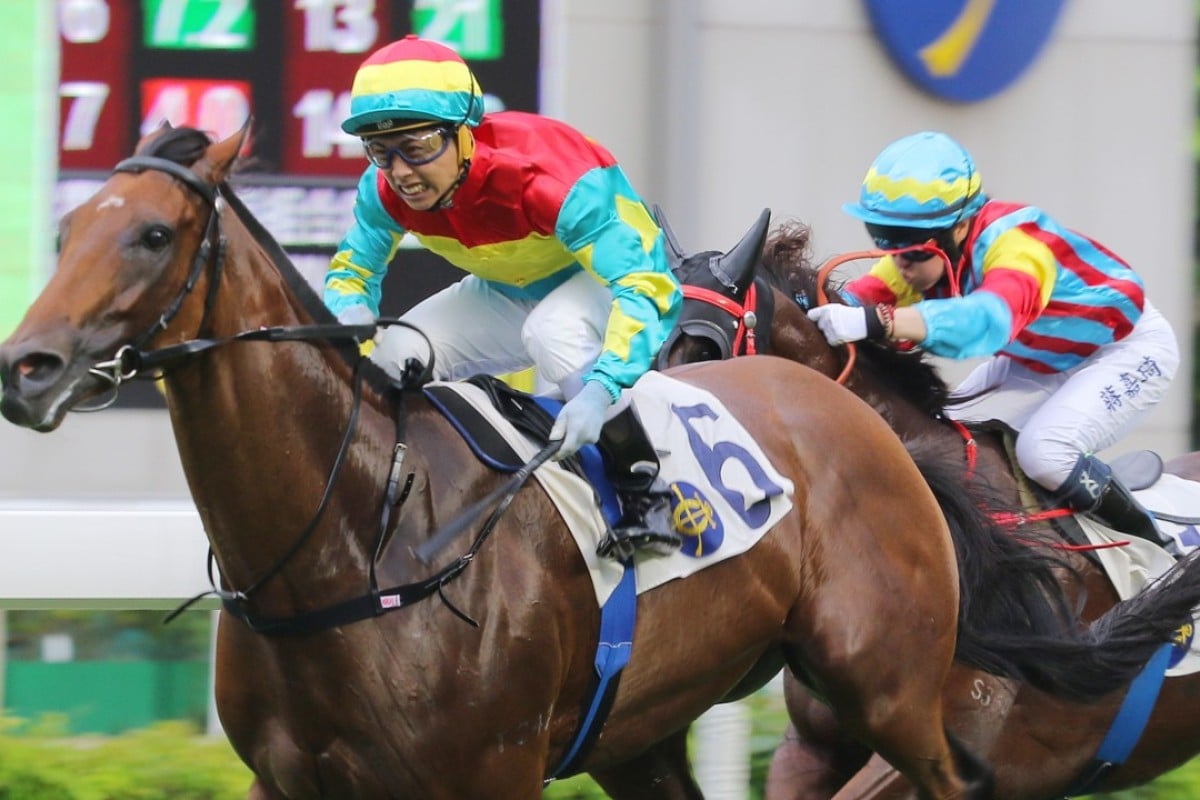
(217, 107)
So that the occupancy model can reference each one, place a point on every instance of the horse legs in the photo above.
(660, 773)
(879, 780)
(815, 757)
(884, 680)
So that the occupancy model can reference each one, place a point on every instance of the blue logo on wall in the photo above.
(964, 49)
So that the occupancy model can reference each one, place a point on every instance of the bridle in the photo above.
(743, 340)
(130, 362)
(126, 363)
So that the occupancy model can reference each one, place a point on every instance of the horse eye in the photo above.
(156, 237)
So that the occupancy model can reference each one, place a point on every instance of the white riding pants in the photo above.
(1078, 412)
(476, 329)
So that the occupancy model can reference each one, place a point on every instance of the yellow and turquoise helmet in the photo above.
(412, 81)
(926, 180)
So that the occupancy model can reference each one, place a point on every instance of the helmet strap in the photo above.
(445, 200)
(948, 245)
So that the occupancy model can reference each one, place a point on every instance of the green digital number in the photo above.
(199, 24)
(475, 28)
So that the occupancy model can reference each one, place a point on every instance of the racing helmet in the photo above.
(925, 180)
(411, 83)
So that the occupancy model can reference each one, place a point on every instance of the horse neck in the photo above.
(258, 427)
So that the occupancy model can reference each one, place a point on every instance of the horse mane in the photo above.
(787, 262)
(185, 146)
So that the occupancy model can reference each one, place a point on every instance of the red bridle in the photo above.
(746, 314)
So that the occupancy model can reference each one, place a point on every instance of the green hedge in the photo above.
(171, 761)
(168, 761)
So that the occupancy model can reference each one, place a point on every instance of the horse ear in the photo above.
(740, 262)
(220, 156)
(675, 253)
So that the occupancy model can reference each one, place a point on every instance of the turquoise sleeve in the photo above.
(979, 324)
(356, 271)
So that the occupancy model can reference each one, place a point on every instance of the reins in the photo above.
(132, 362)
(822, 275)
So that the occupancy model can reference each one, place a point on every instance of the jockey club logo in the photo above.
(963, 50)
(696, 520)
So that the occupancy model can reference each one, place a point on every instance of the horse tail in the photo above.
(1015, 617)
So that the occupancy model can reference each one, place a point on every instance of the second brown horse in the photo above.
(1040, 746)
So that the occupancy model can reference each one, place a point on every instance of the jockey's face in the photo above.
(921, 255)
(422, 184)
(923, 272)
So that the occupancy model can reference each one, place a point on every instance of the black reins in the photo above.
(131, 362)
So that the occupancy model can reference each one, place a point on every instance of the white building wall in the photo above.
(719, 108)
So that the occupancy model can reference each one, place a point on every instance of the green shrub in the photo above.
(172, 761)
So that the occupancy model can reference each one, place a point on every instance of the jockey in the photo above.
(1077, 353)
(567, 268)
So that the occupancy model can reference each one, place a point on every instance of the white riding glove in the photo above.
(581, 419)
(839, 323)
(357, 314)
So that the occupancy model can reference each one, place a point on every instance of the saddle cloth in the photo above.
(725, 494)
(1131, 568)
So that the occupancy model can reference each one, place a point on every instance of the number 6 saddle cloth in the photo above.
(725, 494)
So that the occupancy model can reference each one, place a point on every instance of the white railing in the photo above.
(100, 554)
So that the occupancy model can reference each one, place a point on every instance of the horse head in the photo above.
(723, 314)
(129, 260)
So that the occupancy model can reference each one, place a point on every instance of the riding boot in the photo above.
(632, 466)
(1092, 489)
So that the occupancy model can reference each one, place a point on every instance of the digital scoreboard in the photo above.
(128, 65)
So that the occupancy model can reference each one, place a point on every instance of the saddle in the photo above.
(1173, 501)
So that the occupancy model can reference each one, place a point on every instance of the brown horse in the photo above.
(1039, 746)
(317, 481)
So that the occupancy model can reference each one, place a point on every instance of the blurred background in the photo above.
(716, 109)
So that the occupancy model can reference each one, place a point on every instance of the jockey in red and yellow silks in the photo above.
(567, 269)
(540, 204)
(1077, 353)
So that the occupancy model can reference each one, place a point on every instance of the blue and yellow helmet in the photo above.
(926, 180)
(409, 82)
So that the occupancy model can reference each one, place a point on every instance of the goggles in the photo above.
(906, 242)
(413, 147)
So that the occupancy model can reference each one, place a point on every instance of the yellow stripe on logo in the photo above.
(945, 55)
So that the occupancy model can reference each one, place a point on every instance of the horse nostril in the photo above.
(37, 368)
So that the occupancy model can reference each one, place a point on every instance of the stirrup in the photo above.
(621, 545)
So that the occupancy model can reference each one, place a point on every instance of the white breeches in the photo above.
(476, 329)
(1078, 412)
